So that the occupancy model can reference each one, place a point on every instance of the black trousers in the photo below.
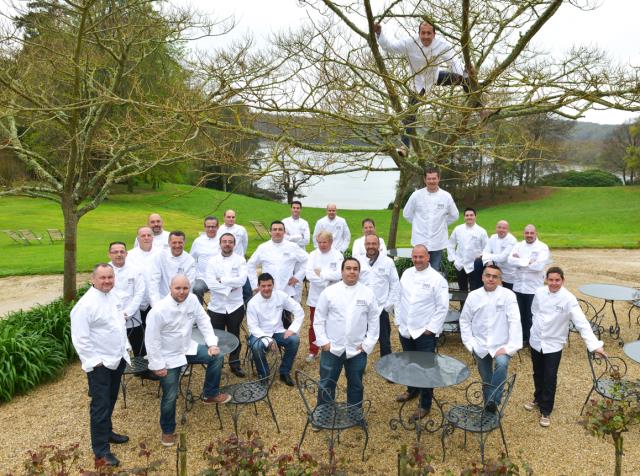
(136, 339)
(545, 377)
(104, 385)
(507, 285)
(526, 317)
(385, 334)
(231, 323)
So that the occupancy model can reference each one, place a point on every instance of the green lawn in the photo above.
(568, 218)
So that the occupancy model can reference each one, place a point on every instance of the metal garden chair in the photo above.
(607, 379)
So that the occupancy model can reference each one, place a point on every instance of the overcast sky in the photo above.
(613, 27)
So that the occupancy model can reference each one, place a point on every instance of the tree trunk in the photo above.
(617, 442)
(70, 249)
(397, 205)
(290, 195)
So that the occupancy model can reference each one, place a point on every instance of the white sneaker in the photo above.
(545, 421)
(529, 406)
(310, 358)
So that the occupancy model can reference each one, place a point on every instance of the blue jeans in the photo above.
(104, 385)
(330, 368)
(290, 346)
(424, 343)
(170, 385)
(493, 377)
(435, 259)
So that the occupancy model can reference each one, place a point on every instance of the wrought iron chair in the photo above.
(634, 313)
(595, 320)
(260, 378)
(607, 379)
(474, 417)
(333, 415)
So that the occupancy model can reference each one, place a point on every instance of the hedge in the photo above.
(586, 178)
(35, 346)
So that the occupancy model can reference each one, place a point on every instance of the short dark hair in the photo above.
(431, 170)
(470, 209)
(117, 243)
(100, 265)
(228, 234)
(370, 220)
(206, 219)
(265, 277)
(351, 258)
(276, 222)
(429, 22)
(555, 270)
(296, 202)
(493, 266)
(178, 233)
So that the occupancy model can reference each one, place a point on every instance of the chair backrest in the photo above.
(17, 237)
(475, 395)
(30, 235)
(55, 234)
(614, 368)
(260, 229)
(308, 389)
(271, 357)
(507, 388)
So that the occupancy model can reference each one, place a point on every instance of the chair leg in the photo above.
(447, 429)
(504, 440)
(273, 414)
(366, 438)
(123, 385)
(587, 399)
(218, 413)
(304, 432)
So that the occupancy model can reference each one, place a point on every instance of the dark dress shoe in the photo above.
(107, 460)
(117, 439)
(238, 372)
(286, 378)
(406, 396)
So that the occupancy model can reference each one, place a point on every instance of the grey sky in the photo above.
(611, 27)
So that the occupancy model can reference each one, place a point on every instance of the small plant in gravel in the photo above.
(302, 464)
(414, 462)
(237, 457)
(503, 466)
(610, 417)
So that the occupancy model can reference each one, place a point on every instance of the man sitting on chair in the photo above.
(264, 318)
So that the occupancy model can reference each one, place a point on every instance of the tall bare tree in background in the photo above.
(332, 74)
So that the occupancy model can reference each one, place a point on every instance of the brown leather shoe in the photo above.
(220, 398)
(419, 414)
(406, 396)
(168, 439)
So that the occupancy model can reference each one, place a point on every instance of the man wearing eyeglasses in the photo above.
(490, 329)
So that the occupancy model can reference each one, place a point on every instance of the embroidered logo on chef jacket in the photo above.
(333, 265)
(558, 308)
(361, 302)
(426, 285)
(235, 272)
(180, 270)
(440, 206)
(130, 281)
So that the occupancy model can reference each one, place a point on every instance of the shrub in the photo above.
(35, 345)
(585, 178)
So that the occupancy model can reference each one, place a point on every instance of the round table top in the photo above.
(632, 350)
(610, 292)
(227, 342)
(422, 369)
(399, 252)
(453, 315)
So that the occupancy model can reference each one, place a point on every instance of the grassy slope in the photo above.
(577, 217)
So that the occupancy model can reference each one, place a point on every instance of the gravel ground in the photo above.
(58, 412)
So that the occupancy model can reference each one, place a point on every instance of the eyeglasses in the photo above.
(492, 276)
(211, 226)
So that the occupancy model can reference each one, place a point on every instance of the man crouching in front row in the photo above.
(169, 348)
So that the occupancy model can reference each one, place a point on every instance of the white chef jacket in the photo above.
(358, 249)
(330, 264)
(297, 231)
(98, 330)
(529, 276)
(425, 61)
(160, 242)
(346, 317)
(490, 321)
(202, 249)
(130, 288)
(264, 316)
(143, 260)
(382, 279)
(240, 233)
(281, 260)
(465, 245)
(225, 276)
(551, 315)
(339, 230)
(165, 268)
(498, 250)
(168, 334)
(423, 304)
(430, 214)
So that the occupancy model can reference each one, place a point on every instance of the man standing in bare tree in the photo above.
(425, 54)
